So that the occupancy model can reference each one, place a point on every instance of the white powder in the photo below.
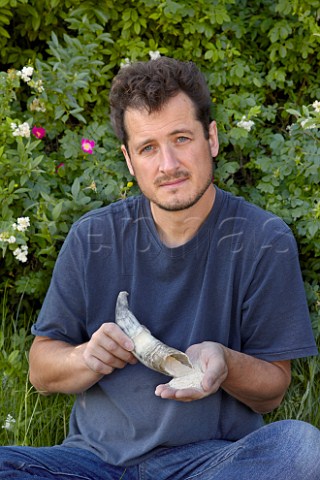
(192, 380)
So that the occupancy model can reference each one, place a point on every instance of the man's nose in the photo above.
(169, 162)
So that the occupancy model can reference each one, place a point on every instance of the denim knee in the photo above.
(301, 442)
(11, 461)
(10, 457)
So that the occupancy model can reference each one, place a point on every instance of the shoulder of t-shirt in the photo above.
(257, 217)
(121, 209)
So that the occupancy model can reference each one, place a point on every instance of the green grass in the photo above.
(32, 419)
(29, 418)
(302, 399)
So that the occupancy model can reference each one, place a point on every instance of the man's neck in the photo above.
(177, 228)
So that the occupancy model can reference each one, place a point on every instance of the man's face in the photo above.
(169, 154)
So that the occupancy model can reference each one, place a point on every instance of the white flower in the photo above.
(22, 224)
(26, 74)
(93, 186)
(38, 85)
(316, 106)
(246, 124)
(6, 237)
(9, 422)
(37, 105)
(22, 130)
(125, 63)
(154, 55)
(21, 253)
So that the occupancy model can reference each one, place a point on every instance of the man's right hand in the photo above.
(57, 366)
(108, 348)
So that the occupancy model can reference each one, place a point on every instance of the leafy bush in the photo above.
(248, 54)
(59, 157)
(46, 172)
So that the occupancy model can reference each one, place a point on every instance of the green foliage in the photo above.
(52, 180)
(261, 62)
(26, 417)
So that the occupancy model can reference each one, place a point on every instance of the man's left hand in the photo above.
(210, 357)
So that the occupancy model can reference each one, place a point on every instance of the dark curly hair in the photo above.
(150, 84)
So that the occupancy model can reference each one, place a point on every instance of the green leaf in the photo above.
(105, 37)
(126, 15)
(23, 179)
(296, 113)
(37, 161)
(282, 51)
(56, 212)
(313, 228)
(59, 111)
(11, 186)
(75, 189)
(84, 200)
(36, 22)
(46, 197)
(137, 28)
(22, 190)
(4, 19)
(4, 33)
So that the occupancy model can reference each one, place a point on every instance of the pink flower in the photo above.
(38, 132)
(87, 145)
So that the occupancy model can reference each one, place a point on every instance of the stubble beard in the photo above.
(178, 205)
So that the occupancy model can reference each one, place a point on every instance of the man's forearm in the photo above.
(56, 366)
(259, 384)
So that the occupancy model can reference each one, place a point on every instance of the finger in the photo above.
(110, 349)
(103, 353)
(101, 361)
(98, 366)
(104, 362)
(113, 331)
(210, 383)
(110, 342)
(214, 376)
(183, 395)
(118, 358)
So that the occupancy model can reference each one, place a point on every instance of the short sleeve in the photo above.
(63, 313)
(275, 317)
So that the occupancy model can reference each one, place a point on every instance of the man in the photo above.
(207, 273)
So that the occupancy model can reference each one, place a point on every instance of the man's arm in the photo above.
(258, 384)
(57, 366)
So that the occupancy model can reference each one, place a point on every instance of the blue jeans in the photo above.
(286, 450)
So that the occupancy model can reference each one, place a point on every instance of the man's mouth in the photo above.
(171, 182)
(174, 183)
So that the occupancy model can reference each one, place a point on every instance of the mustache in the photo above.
(169, 178)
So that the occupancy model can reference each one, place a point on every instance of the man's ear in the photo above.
(127, 157)
(213, 139)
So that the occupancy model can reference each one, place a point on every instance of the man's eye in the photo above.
(147, 149)
(182, 139)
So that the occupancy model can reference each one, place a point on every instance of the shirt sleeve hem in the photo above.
(285, 355)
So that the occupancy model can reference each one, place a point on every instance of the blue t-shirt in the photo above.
(236, 282)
